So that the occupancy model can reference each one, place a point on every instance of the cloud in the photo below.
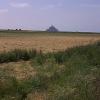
(3, 11)
(19, 5)
(52, 6)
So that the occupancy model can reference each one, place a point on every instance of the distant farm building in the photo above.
(52, 29)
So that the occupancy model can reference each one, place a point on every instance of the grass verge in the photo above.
(72, 74)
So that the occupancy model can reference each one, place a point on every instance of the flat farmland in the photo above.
(45, 43)
(66, 75)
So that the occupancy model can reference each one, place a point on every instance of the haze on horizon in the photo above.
(66, 15)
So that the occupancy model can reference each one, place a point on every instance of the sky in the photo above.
(66, 15)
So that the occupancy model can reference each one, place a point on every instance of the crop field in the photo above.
(49, 67)
(45, 42)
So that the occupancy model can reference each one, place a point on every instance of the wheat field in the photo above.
(45, 43)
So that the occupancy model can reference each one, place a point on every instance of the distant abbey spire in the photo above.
(52, 29)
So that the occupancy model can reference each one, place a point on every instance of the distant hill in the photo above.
(52, 29)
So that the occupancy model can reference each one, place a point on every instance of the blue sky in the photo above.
(66, 15)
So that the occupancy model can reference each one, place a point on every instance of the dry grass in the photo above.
(21, 70)
(45, 43)
(37, 96)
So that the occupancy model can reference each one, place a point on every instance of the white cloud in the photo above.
(3, 11)
(52, 6)
(19, 5)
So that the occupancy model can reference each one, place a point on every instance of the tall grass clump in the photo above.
(16, 55)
